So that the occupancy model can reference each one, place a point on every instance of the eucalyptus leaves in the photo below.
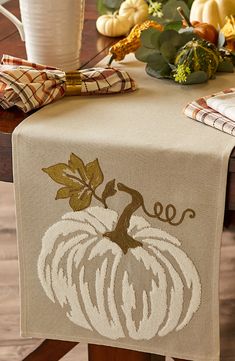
(158, 49)
(181, 56)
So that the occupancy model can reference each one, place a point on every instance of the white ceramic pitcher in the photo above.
(52, 31)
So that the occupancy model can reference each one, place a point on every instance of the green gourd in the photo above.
(198, 55)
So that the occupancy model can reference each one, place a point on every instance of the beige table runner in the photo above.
(120, 203)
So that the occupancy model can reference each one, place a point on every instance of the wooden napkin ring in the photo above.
(73, 83)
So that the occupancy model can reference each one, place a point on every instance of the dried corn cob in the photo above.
(132, 42)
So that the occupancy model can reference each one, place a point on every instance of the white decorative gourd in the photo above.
(113, 25)
(212, 11)
(135, 10)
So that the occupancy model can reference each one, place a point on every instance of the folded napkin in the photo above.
(224, 104)
(30, 86)
(200, 110)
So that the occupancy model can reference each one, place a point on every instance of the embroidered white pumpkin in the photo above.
(212, 11)
(135, 10)
(113, 25)
(150, 290)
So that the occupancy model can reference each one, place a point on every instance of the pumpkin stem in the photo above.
(184, 16)
(119, 235)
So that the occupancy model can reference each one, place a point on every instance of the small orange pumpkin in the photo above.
(205, 31)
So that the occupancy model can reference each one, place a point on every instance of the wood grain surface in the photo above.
(94, 48)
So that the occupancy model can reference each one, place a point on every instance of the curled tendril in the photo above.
(170, 213)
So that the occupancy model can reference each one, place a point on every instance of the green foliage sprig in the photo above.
(159, 51)
(171, 18)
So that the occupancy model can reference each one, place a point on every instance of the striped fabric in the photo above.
(200, 111)
(29, 86)
(224, 104)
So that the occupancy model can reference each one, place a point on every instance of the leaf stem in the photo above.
(103, 201)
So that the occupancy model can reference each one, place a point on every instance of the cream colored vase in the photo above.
(52, 31)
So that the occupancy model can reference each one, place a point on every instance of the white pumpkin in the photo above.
(151, 290)
(113, 25)
(212, 11)
(135, 10)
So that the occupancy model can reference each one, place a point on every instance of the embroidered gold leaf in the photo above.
(109, 190)
(79, 180)
(62, 193)
(94, 174)
(58, 173)
(80, 201)
(77, 166)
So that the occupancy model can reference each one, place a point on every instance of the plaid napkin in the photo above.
(29, 86)
(199, 110)
(224, 104)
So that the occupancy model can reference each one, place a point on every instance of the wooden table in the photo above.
(94, 48)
